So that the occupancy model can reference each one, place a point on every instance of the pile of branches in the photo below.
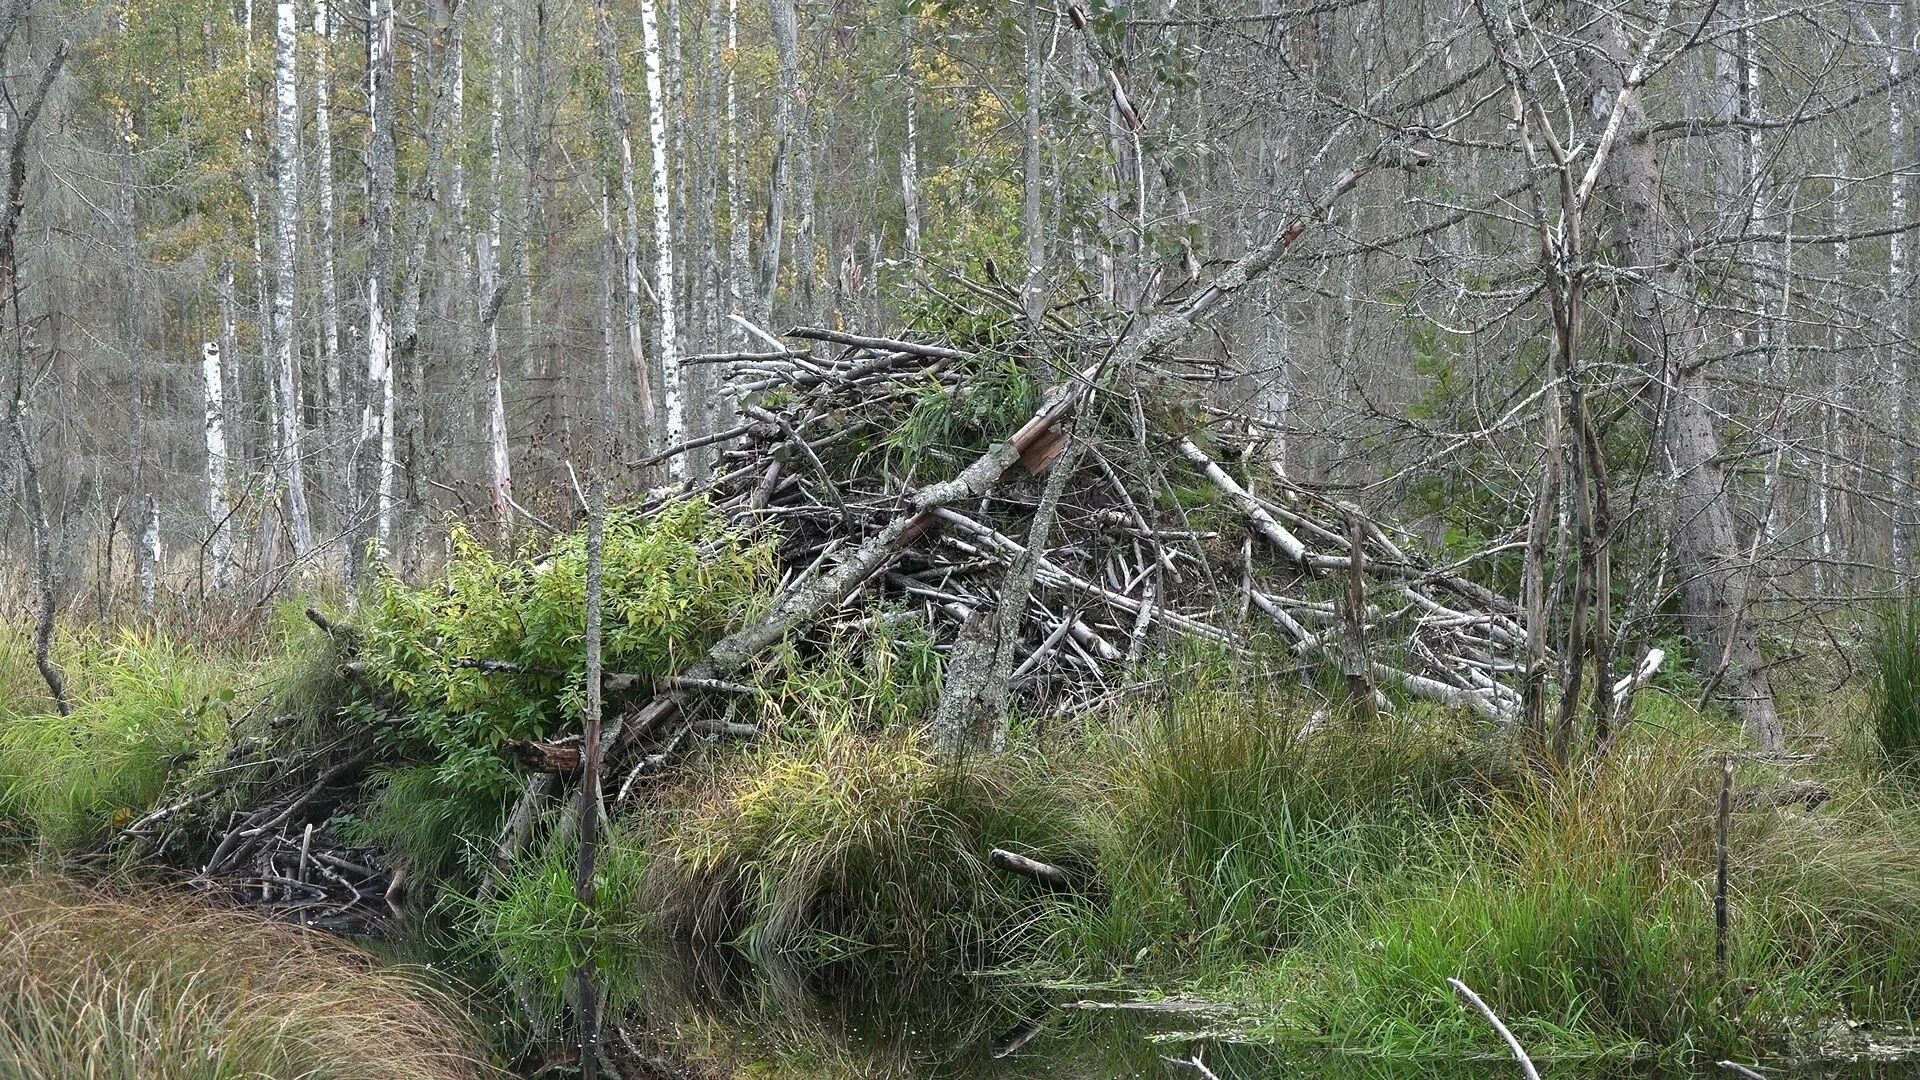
(276, 854)
(1054, 496)
(1112, 515)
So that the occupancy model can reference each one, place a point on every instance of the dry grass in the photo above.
(167, 989)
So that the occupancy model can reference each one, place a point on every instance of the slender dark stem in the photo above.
(1720, 872)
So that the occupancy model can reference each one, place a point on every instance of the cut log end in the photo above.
(1046, 873)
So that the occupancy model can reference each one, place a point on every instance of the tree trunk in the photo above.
(1666, 335)
(663, 284)
(219, 514)
(910, 140)
(793, 156)
(501, 473)
(376, 417)
(286, 168)
(1033, 288)
(630, 230)
(149, 558)
(333, 368)
(773, 237)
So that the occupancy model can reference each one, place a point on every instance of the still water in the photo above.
(711, 1017)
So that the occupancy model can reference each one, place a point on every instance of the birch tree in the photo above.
(663, 284)
(332, 361)
(376, 416)
(622, 135)
(286, 167)
(219, 516)
(488, 259)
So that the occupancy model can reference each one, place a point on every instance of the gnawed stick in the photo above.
(1519, 1052)
(1192, 1061)
(937, 352)
(1261, 521)
(1045, 873)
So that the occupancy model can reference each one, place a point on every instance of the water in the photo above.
(711, 1015)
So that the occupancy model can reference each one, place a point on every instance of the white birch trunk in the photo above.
(910, 151)
(149, 558)
(740, 292)
(489, 261)
(1832, 447)
(740, 282)
(286, 165)
(630, 232)
(332, 364)
(671, 389)
(219, 514)
(1033, 285)
(1898, 362)
(376, 418)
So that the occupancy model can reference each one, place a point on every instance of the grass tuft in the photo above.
(144, 707)
(95, 986)
(847, 845)
(1896, 683)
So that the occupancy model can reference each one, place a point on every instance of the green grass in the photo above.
(144, 708)
(1896, 683)
(438, 833)
(95, 986)
(1228, 836)
(538, 932)
(845, 845)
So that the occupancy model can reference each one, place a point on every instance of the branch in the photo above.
(1519, 1052)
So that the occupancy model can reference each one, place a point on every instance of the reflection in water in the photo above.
(708, 1014)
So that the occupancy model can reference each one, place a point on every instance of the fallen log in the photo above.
(1046, 873)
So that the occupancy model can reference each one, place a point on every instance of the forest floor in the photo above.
(1312, 877)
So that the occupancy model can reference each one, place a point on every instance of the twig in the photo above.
(1192, 1061)
(1519, 1052)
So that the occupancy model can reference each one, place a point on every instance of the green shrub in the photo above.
(949, 425)
(1896, 682)
(674, 582)
(879, 674)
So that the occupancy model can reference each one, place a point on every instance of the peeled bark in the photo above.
(1667, 338)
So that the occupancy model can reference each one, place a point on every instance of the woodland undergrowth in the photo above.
(1227, 832)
